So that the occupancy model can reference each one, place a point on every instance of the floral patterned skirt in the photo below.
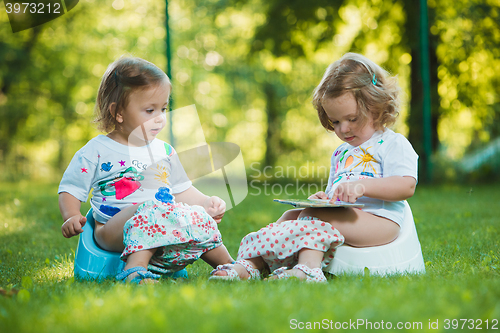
(180, 232)
(279, 243)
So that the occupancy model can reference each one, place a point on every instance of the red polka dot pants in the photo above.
(279, 243)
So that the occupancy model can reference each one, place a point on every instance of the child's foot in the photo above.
(132, 278)
(283, 273)
(138, 275)
(239, 270)
(302, 272)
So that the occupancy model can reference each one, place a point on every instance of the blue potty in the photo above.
(94, 263)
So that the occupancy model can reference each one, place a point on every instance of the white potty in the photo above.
(403, 255)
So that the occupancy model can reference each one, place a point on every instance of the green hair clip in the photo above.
(374, 80)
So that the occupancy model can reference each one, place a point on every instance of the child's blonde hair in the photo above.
(124, 76)
(374, 90)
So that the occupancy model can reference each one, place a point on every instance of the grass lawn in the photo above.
(459, 230)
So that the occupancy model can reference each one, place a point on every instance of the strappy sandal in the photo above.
(312, 274)
(142, 272)
(232, 274)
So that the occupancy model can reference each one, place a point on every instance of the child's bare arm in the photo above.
(214, 206)
(191, 196)
(394, 188)
(72, 217)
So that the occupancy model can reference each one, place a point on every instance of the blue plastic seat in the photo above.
(94, 263)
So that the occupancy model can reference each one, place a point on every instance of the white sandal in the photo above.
(232, 274)
(312, 274)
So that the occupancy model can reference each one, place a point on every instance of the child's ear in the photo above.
(116, 114)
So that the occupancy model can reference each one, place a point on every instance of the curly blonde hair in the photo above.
(122, 77)
(375, 91)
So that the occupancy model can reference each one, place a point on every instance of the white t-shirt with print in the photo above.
(385, 154)
(120, 175)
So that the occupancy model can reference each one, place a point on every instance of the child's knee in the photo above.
(292, 214)
(306, 212)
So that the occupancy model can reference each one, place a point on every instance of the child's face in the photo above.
(145, 115)
(343, 113)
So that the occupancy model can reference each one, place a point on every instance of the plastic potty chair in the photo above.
(94, 263)
(402, 256)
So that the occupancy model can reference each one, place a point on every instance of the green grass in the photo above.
(459, 231)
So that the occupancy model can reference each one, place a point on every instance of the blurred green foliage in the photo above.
(469, 56)
(249, 66)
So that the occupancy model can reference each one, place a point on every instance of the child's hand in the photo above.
(320, 195)
(73, 226)
(215, 207)
(348, 192)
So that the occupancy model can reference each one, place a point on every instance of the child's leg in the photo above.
(308, 257)
(217, 256)
(109, 236)
(220, 256)
(358, 227)
(291, 214)
(139, 259)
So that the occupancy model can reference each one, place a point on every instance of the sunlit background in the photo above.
(250, 67)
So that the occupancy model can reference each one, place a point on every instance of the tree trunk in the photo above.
(415, 118)
(273, 125)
